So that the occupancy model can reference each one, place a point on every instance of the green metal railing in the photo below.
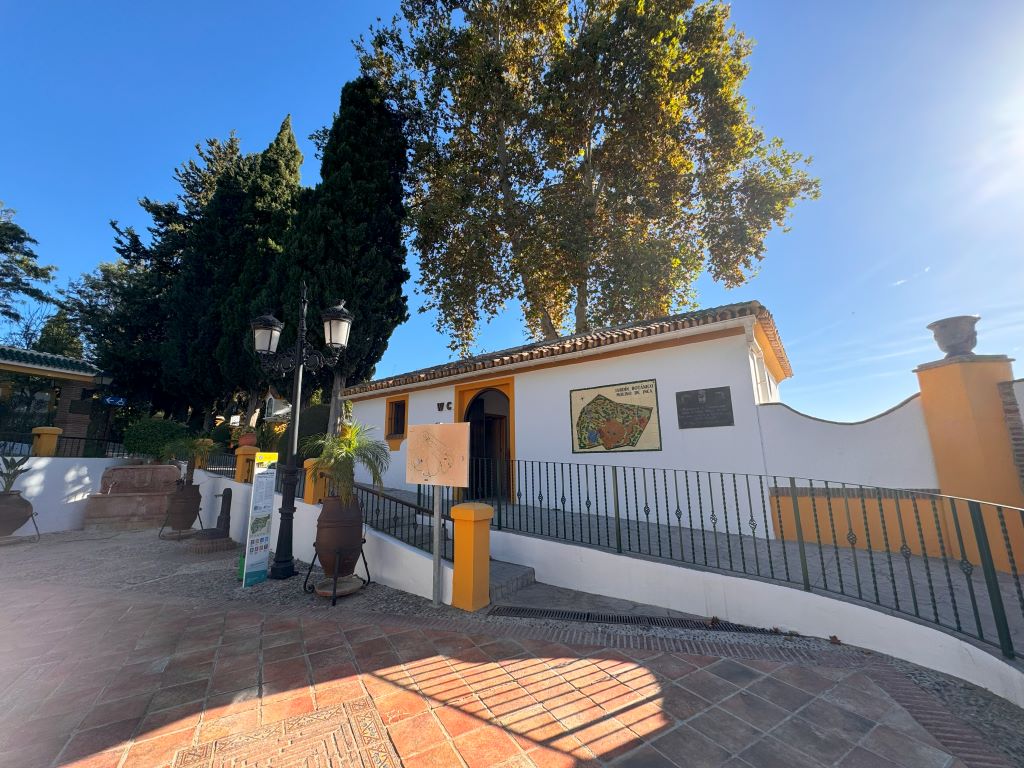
(940, 560)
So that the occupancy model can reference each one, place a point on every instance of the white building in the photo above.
(674, 393)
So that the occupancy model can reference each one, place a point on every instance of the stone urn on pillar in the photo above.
(339, 528)
(956, 336)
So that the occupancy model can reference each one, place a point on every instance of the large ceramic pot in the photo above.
(955, 336)
(183, 507)
(14, 512)
(339, 529)
(248, 438)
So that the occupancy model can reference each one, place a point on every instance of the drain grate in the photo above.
(623, 618)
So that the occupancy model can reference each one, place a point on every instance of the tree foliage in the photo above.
(589, 158)
(20, 271)
(60, 336)
(347, 240)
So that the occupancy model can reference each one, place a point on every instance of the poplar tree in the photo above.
(588, 158)
(347, 240)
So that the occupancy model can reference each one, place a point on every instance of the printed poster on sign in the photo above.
(261, 510)
(615, 417)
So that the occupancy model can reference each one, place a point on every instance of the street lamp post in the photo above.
(266, 334)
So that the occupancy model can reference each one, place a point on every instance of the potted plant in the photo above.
(15, 511)
(183, 505)
(244, 435)
(340, 525)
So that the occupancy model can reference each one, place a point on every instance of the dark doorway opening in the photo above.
(489, 454)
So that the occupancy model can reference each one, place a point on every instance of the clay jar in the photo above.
(15, 511)
(339, 529)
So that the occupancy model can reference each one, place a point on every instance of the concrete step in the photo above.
(507, 579)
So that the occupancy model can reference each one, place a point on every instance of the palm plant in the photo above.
(336, 457)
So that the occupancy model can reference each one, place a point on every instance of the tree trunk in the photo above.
(337, 413)
(251, 407)
(582, 305)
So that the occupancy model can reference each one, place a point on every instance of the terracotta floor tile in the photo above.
(158, 752)
(240, 722)
(293, 669)
(486, 747)
(282, 710)
(338, 694)
(225, 704)
(169, 720)
(176, 695)
(110, 759)
(114, 711)
(546, 757)
(464, 717)
(441, 756)
(415, 734)
(399, 706)
(101, 739)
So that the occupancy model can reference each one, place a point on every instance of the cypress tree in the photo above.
(255, 268)
(347, 240)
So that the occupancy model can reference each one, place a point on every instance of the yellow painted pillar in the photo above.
(471, 579)
(967, 427)
(245, 463)
(971, 448)
(44, 440)
(315, 489)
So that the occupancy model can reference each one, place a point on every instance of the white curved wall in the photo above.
(756, 603)
(58, 488)
(891, 450)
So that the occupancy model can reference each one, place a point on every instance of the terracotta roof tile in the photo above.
(32, 358)
(603, 337)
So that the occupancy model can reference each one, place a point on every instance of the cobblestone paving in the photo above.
(125, 651)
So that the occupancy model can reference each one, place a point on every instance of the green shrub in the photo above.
(313, 421)
(150, 437)
(221, 433)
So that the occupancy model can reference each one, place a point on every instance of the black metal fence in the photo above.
(20, 444)
(394, 514)
(940, 560)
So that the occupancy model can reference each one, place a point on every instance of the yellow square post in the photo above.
(471, 579)
(245, 463)
(44, 440)
(315, 489)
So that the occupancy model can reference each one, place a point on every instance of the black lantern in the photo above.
(337, 324)
(266, 332)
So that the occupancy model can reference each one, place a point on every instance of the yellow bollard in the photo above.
(44, 440)
(314, 491)
(471, 579)
(245, 463)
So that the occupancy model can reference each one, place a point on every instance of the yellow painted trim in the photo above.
(315, 489)
(395, 441)
(554, 361)
(464, 394)
(47, 373)
(245, 463)
(774, 366)
(471, 574)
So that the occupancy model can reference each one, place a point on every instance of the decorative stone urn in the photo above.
(956, 336)
(132, 497)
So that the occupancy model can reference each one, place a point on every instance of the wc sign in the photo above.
(444, 406)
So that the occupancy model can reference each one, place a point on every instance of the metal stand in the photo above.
(311, 588)
(186, 533)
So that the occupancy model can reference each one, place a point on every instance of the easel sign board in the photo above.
(261, 510)
(438, 454)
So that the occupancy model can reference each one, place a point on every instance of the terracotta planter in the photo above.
(339, 529)
(956, 336)
(183, 507)
(14, 512)
(249, 438)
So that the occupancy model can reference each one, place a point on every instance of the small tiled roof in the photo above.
(604, 337)
(32, 359)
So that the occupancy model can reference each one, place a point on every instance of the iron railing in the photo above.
(397, 515)
(20, 444)
(221, 464)
(940, 560)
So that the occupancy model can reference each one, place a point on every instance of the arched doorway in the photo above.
(488, 414)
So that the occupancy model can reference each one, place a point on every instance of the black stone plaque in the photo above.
(711, 407)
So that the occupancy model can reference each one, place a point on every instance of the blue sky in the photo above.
(913, 111)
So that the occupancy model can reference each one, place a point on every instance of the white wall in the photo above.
(889, 450)
(756, 603)
(58, 489)
(392, 562)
